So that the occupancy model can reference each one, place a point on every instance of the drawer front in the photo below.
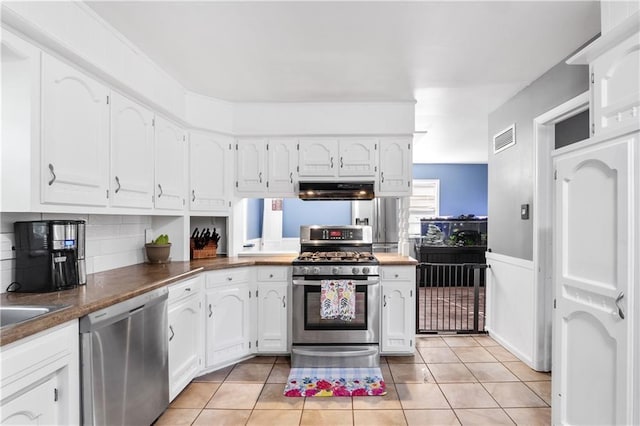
(185, 288)
(271, 273)
(228, 276)
(398, 273)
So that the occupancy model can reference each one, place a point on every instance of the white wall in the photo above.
(112, 241)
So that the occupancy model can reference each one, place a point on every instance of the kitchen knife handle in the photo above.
(160, 188)
(193, 195)
(119, 186)
(618, 299)
(53, 174)
(381, 176)
(172, 333)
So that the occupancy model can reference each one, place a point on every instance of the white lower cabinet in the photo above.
(41, 378)
(398, 309)
(273, 296)
(228, 316)
(185, 334)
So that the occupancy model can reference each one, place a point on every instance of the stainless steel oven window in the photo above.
(313, 320)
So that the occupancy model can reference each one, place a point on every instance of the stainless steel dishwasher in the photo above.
(124, 356)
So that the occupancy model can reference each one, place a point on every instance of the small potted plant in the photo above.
(159, 249)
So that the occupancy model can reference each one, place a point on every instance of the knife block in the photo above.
(207, 252)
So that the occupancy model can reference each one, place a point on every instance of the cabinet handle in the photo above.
(260, 176)
(381, 176)
(210, 311)
(193, 195)
(229, 278)
(291, 177)
(341, 163)
(331, 159)
(396, 275)
(119, 186)
(384, 301)
(160, 188)
(53, 178)
(172, 333)
(187, 289)
(618, 299)
(284, 305)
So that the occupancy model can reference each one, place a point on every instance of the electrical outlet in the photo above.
(148, 235)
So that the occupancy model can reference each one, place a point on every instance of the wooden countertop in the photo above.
(104, 289)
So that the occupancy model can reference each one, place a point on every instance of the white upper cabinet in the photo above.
(251, 165)
(131, 179)
(266, 166)
(282, 160)
(317, 157)
(358, 157)
(209, 174)
(169, 165)
(395, 166)
(616, 87)
(75, 137)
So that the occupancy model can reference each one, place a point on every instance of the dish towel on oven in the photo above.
(337, 300)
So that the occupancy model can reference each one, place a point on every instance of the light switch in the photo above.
(524, 211)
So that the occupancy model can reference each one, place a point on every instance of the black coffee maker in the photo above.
(49, 256)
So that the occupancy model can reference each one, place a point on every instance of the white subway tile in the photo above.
(104, 219)
(6, 244)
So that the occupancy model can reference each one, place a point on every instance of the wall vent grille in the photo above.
(504, 139)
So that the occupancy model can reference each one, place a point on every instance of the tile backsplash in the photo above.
(112, 241)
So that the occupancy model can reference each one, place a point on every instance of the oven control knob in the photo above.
(305, 270)
(355, 271)
(365, 270)
(316, 270)
(335, 270)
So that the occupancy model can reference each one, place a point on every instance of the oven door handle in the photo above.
(318, 283)
(336, 354)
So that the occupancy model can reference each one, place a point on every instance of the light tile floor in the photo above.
(452, 380)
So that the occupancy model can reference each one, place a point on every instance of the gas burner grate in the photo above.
(336, 256)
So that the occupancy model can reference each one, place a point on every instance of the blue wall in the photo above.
(296, 212)
(254, 217)
(463, 187)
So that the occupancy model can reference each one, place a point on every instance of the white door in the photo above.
(398, 323)
(37, 406)
(251, 165)
(169, 165)
(282, 158)
(358, 157)
(184, 340)
(395, 166)
(318, 157)
(131, 178)
(209, 172)
(592, 364)
(228, 316)
(272, 317)
(75, 136)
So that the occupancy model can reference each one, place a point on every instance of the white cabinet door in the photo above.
(358, 157)
(318, 157)
(169, 165)
(616, 86)
(75, 136)
(272, 317)
(282, 160)
(209, 177)
(398, 309)
(251, 170)
(594, 319)
(37, 406)
(184, 341)
(395, 166)
(228, 316)
(131, 178)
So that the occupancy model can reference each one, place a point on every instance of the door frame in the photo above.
(542, 212)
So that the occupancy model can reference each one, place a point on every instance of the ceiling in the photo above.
(457, 60)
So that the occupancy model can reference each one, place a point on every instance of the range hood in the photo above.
(336, 191)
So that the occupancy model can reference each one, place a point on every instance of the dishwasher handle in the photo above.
(118, 311)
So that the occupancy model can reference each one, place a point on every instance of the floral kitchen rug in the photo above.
(335, 382)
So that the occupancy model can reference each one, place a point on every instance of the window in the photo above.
(425, 202)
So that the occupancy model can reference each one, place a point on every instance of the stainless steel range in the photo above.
(339, 254)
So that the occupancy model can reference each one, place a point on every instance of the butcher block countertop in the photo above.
(104, 289)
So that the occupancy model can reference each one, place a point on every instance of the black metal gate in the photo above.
(451, 297)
